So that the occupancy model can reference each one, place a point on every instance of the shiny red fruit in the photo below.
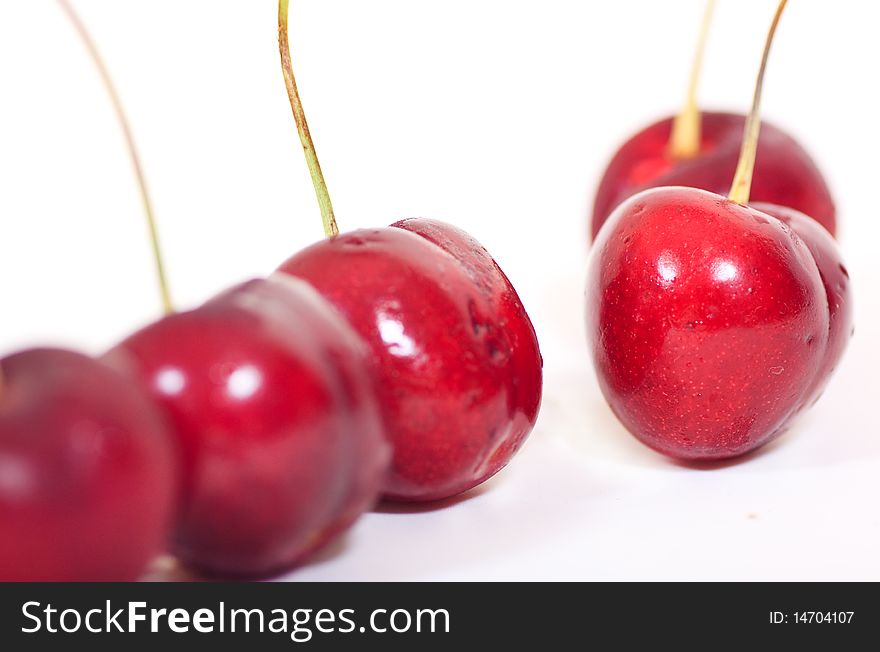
(268, 391)
(784, 172)
(88, 473)
(459, 371)
(711, 324)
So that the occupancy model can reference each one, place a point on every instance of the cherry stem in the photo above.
(742, 179)
(104, 73)
(302, 126)
(684, 142)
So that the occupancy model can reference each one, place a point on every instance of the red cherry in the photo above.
(456, 357)
(88, 474)
(268, 391)
(709, 322)
(459, 372)
(784, 173)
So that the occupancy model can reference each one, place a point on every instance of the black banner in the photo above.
(337, 616)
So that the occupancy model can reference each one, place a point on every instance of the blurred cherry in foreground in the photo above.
(268, 392)
(88, 473)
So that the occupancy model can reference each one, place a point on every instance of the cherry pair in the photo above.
(713, 323)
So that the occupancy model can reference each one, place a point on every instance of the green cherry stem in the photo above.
(742, 179)
(104, 73)
(684, 142)
(302, 126)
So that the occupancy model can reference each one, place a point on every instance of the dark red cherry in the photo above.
(268, 391)
(88, 473)
(784, 173)
(709, 322)
(459, 371)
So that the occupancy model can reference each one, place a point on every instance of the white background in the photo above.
(498, 116)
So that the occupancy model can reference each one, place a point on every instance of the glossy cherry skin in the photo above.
(457, 360)
(88, 472)
(784, 172)
(835, 279)
(709, 323)
(510, 315)
(268, 391)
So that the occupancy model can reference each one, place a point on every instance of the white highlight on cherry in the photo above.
(170, 381)
(392, 333)
(244, 382)
(667, 268)
(724, 271)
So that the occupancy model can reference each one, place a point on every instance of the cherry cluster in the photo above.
(250, 431)
(399, 362)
